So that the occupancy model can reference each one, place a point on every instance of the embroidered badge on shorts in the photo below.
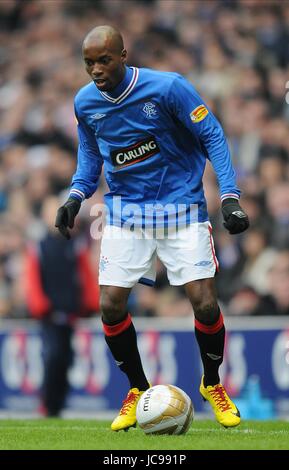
(103, 263)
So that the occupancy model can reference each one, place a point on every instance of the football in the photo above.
(165, 409)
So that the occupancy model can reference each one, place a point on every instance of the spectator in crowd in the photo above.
(61, 287)
(244, 302)
(277, 300)
(258, 260)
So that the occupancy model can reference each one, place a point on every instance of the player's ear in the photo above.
(124, 56)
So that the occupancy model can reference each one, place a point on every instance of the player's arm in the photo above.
(84, 181)
(191, 110)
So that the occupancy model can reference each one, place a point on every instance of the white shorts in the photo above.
(127, 257)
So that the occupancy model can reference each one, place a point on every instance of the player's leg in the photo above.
(125, 259)
(190, 260)
(210, 335)
(209, 327)
(120, 336)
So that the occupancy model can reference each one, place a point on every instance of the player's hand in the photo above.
(65, 216)
(236, 220)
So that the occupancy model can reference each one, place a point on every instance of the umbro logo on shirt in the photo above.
(98, 116)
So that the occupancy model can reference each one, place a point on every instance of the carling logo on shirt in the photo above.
(134, 153)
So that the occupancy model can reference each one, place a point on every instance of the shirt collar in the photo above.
(124, 88)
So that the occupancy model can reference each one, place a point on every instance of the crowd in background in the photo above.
(236, 53)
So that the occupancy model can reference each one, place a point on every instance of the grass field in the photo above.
(52, 434)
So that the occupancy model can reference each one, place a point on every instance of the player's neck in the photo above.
(117, 91)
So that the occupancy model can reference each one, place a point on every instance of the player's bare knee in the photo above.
(207, 311)
(112, 308)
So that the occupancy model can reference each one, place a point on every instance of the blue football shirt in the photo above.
(153, 134)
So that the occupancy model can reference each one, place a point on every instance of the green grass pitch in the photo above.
(50, 434)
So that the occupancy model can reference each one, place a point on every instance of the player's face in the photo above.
(106, 67)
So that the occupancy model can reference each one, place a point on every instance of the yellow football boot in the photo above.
(225, 411)
(127, 415)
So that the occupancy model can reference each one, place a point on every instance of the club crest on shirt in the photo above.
(198, 114)
(150, 110)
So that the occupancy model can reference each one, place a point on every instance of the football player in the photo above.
(152, 133)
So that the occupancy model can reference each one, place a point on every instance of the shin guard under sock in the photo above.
(211, 340)
(122, 342)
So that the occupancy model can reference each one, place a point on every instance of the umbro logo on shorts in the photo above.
(134, 153)
(203, 263)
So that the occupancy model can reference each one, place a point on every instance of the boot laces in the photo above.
(220, 397)
(128, 402)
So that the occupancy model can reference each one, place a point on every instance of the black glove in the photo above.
(65, 216)
(236, 220)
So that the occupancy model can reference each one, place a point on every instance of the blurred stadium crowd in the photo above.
(236, 53)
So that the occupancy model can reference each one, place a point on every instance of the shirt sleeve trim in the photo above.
(230, 195)
(79, 194)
